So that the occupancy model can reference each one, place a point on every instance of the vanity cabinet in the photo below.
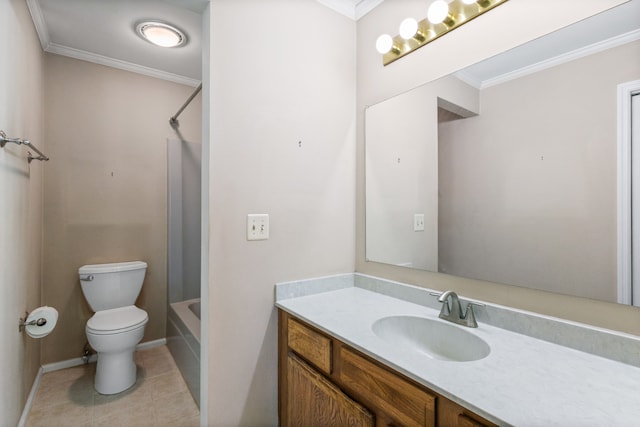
(324, 382)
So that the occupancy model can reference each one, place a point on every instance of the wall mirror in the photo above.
(506, 171)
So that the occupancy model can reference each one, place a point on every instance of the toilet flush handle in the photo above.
(89, 278)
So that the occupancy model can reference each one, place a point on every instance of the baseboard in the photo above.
(70, 363)
(77, 361)
(30, 398)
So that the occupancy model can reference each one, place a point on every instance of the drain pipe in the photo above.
(87, 352)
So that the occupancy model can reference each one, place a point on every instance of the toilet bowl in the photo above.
(114, 334)
(117, 325)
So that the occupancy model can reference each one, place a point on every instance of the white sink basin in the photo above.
(432, 337)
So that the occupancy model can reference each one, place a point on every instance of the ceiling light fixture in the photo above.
(161, 34)
(442, 17)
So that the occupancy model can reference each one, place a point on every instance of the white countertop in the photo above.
(524, 381)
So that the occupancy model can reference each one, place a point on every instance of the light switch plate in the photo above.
(257, 226)
(418, 222)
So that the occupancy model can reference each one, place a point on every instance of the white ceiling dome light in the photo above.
(161, 34)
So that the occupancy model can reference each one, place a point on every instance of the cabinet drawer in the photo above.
(310, 345)
(402, 401)
(465, 421)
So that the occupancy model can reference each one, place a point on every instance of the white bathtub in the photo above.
(183, 340)
(195, 308)
(188, 312)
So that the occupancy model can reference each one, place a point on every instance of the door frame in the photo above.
(625, 277)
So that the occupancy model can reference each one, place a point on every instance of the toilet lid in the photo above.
(117, 320)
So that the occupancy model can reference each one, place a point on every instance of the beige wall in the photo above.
(290, 79)
(105, 186)
(507, 26)
(21, 115)
(533, 202)
(402, 171)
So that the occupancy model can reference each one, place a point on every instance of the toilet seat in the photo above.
(117, 320)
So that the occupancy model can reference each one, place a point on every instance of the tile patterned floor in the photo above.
(159, 398)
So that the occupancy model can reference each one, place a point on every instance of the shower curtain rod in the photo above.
(173, 121)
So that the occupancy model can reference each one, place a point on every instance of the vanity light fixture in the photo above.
(442, 17)
(408, 28)
(161, 34)
(439, 12)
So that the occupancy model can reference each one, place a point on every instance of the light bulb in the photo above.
(384, 43)
(438, 11)
(408, 28)
(161, 34)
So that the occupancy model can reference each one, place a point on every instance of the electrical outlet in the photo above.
(257, 226)
(418, 222)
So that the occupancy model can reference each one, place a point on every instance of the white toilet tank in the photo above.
(113, 285)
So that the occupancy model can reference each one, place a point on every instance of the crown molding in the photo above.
(38, 21)
(365, 6)
(122, 65)
(469, 79)
(355, 11)
(341, 7)
(564, 58)
(43, 34)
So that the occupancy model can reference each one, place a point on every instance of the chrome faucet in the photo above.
(452, 310)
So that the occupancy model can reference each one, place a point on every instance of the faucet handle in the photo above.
(469, 315)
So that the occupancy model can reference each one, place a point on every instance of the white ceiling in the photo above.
(354, 9)
(102, 31)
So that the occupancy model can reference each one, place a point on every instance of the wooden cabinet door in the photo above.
(313, 401)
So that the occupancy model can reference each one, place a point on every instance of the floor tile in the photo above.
(172, 408)
(159, 398)
(125, 412)
(166, 384)
(62, 414)
(158, 363)
(60, 388)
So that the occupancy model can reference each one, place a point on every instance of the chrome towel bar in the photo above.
(20, 141)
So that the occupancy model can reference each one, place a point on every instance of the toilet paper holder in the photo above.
(23, 322)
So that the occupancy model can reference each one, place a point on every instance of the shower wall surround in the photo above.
(184, 162)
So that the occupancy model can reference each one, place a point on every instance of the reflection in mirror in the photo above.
(508, 178)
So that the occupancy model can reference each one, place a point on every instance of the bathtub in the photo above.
(195, 309)
(183, 340)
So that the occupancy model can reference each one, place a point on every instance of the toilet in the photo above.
(117, 325)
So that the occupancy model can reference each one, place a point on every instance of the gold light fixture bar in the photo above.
(459, 14)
